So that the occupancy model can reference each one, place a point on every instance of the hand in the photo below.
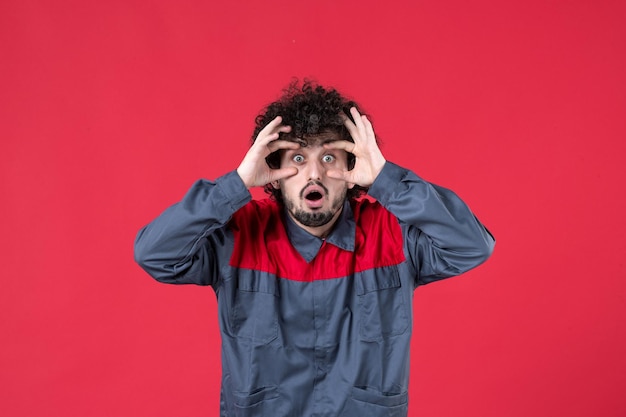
(369, 159)
(254, 170)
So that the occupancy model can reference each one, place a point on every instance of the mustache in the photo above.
(318, 183)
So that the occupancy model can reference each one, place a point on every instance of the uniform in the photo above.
(310, 326)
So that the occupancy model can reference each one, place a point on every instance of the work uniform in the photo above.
(310, 326)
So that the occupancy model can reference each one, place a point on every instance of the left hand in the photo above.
(369, 159)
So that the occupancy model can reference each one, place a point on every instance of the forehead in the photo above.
(315, 140)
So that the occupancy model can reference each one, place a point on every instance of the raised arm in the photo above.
(442, 236)
(180, 246)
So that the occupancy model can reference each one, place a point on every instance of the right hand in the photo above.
(253, 170)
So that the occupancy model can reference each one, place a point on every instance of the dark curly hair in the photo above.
(310, 109)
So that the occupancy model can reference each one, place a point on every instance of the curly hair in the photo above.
(310, 109)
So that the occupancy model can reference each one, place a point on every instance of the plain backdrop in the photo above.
(109, 110)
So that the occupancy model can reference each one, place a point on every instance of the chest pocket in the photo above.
(382, 306)
(255, 308)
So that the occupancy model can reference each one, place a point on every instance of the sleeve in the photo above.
(442, 236)
(179, 246)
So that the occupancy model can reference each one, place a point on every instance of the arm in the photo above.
(180, 245)
(442, 236)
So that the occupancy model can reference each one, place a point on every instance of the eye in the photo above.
(298, 159)
(328, 159)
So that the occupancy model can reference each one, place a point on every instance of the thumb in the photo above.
(279, 174)
(338, 174)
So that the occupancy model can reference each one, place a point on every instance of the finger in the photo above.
(356, 116)
(338, 174)
(358, 121)
(352, 129)
(262, 142)
(270, 131)
(369, 129)
(283, 129)
(276, 145)
(340, 144)
(279, 174)
(278, 128)
(271, 125)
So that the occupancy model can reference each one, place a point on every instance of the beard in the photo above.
(315, 218)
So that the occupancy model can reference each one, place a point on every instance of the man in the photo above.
(314, 285)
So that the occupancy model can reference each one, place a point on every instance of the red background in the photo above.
(110, 110)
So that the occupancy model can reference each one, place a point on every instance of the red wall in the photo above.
(109, 110)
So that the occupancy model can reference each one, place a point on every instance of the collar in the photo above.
(342, 234)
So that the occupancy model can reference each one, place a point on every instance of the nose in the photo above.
(314, 170)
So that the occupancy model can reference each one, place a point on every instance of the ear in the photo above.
(351, 185)
(276, 185)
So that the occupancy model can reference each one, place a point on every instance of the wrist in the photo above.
(379, 165)
(244, 178)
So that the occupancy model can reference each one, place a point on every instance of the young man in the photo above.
(314, 286)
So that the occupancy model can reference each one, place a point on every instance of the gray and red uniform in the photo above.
(310, 326)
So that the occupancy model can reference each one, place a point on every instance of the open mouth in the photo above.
(313, 196)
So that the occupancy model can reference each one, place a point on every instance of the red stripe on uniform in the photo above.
(261, 244)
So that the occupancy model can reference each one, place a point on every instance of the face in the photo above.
(312, 199)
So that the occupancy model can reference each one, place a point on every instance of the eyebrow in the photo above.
(317, 142)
